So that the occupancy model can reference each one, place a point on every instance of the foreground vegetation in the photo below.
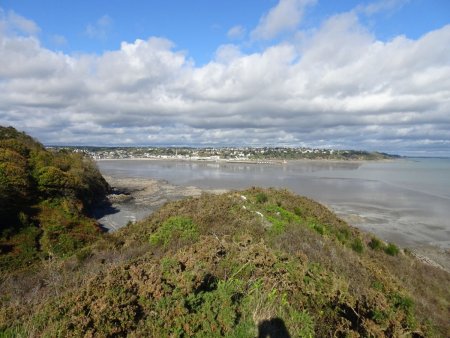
(44, 199)
(240, 264)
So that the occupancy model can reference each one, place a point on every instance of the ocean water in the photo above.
(404, 201)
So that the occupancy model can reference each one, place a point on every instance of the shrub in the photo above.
(379, 316)
(83, 254)
(377, 285)
(261, 197)
(343, 235)
(280, 218)
(319, 228)
(314, 224)
(402, 302)
(52, 180)
(375, 244)
(405, 304)
(357, 245)
(392, 249)
(175, 227)
(298, 211)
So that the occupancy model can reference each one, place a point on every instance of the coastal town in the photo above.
(231, 154)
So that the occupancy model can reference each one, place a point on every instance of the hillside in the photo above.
(240, 264)
(230, 153)
(44, 199)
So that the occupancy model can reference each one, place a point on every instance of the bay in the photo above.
(405, 201)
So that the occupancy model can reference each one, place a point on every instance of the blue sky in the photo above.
(343, 74)
(199, 26)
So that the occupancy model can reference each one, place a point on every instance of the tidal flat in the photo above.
(403, 201)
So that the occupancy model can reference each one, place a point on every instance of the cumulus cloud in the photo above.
(339, 86)
(285, 16)
(99, 29)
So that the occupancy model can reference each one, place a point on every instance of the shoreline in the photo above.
(262, 162)
(134, 199)
(143, 196)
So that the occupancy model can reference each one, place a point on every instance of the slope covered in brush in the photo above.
(241, 264)
(44, 196)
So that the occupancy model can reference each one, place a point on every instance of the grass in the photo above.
(392, 249)
(376, 244)
(358, 245)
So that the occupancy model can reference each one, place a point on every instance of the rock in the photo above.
(119, 198)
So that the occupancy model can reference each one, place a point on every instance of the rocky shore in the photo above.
(133, 199)
(434, 256)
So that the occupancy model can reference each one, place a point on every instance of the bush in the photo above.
(261, 198)
(392, 249)
(298, 211)
(319, 228)
(51, 191)
(357, 245)
(343, 235)
(175, 227)
(375, 244)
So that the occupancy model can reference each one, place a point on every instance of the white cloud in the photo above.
(381, 6)
(339, 86)
(228, 53)
(99, 29)
(59, 40)
(236, 32)
(16, 24)
(285, 16)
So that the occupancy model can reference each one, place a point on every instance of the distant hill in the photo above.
(44, 198)
(230, 153)
(260, 262)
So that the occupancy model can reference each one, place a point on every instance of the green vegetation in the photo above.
(44, 198)
(173, 229)
(261, 198)
(260, 262)
(225, 265)
(357, 245)
(376, 244)
(391, 249)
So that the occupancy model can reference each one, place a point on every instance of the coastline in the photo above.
(262, 162)
(142, 196)
(134, 199)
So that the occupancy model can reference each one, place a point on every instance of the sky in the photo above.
(372, 75)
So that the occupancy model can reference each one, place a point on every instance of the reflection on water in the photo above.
(404, 201)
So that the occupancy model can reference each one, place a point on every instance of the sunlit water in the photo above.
(404, 201)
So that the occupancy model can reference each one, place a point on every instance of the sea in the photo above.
(405, 201)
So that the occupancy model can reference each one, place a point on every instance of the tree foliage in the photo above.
(39, 187)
